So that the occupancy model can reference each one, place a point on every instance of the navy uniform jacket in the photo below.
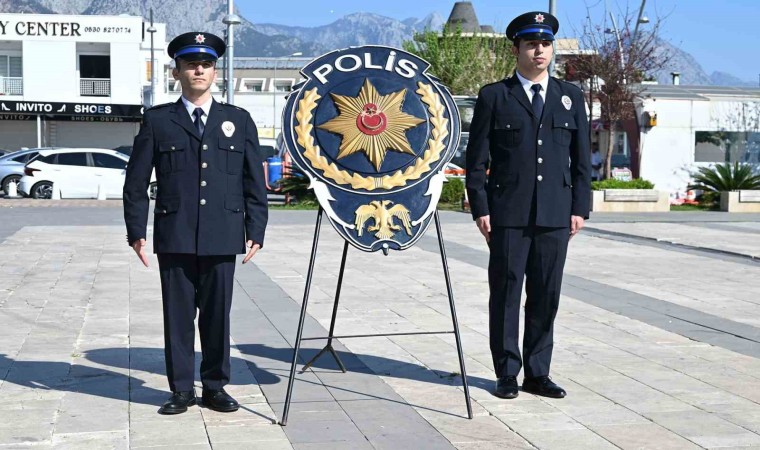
(211, 193)
(549, 158)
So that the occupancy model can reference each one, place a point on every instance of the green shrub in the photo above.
(452, 191)
(637, 183)
(297, 185)
(725, 177)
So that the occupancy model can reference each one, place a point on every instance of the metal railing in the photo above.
(12, 86)
(95, 87)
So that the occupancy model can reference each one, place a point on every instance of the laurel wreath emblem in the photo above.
(422, 165)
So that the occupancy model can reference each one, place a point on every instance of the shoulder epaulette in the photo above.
(160, 106)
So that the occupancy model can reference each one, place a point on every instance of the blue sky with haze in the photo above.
(722, 36)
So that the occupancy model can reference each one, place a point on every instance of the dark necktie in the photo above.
(538, 101)
(197, 114)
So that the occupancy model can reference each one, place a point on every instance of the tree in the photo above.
(463, 61)
(621, 59)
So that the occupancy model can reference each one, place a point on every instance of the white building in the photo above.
(695, 126)
(74, 80)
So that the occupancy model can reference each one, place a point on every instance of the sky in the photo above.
(722, 36)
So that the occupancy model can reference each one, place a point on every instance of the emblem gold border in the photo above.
(399, 178)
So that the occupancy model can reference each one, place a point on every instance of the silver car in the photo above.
(12, 166)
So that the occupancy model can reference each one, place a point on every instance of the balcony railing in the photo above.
(11, 86)
(95, 87)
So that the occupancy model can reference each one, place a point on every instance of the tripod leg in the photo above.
(297, 343)
(453, 315)
(328, 346)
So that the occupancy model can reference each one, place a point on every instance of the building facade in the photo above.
(74, 80)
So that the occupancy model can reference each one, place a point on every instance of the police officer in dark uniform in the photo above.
(211, 205)
(528, 183)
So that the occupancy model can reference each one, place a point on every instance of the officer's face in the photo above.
(533, 57)
(195, 76)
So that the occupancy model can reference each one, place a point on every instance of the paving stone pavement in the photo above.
(657, 348)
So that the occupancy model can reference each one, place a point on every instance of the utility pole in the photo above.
(230, 20)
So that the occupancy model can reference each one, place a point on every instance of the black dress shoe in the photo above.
(543, 386)
(178, 402)
(219, 401)
(506, 387)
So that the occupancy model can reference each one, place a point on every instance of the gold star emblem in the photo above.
(372, 123)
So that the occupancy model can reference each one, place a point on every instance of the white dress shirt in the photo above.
(190, 107)
(526, 84)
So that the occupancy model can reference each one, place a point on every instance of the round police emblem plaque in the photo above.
(373, 132)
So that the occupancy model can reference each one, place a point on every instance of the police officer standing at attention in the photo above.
(211, 205)
(534, 130)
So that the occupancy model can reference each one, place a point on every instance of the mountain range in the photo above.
(281, 40)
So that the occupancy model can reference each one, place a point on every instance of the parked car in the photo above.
(77, 172)
(12, 166)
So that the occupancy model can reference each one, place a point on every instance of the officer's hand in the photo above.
(576, 223)
(484, 225)
(252, 249)
(139, 247)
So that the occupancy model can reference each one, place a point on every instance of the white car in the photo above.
(77, 173)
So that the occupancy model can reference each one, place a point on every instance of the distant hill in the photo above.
(281, 40)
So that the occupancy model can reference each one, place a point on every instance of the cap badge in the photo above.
(539, 18)
(228, 128)
(200, 39)
(566, 102)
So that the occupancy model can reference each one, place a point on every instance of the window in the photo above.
(252, 85)
(23, 159)
(11, 73)
(283, 85)
(727, 146)
(49, 159)
(11, 66)
(108, 161)
(72, 159)
(94, 66)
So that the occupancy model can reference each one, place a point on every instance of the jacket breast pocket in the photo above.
(230, 155)
(171, 157)
(563, 127)
(508, 130)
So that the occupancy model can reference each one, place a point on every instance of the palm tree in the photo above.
(725, 177)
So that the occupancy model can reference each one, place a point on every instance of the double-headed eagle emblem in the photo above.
(383, 217)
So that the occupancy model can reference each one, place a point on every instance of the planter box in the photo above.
(740, 201)
(630, 200)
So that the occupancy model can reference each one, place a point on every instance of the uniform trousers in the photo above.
(536, 255)
(191, 283)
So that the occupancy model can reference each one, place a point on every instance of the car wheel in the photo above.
(153, 190)
(8, 180)
(43, 189)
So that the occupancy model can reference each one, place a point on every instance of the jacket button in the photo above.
(540, 160)
(203, 184)
(205, 147)
(232, 147)
(565, 123)
(540, 142)
(509, 126)
(204, 165)
(203, 202)
(163, 211)
(539, 178)
(173, 148)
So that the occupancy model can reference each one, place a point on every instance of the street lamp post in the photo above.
(274, 92)
(230, 19)
(152, 29)
(553, 12)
